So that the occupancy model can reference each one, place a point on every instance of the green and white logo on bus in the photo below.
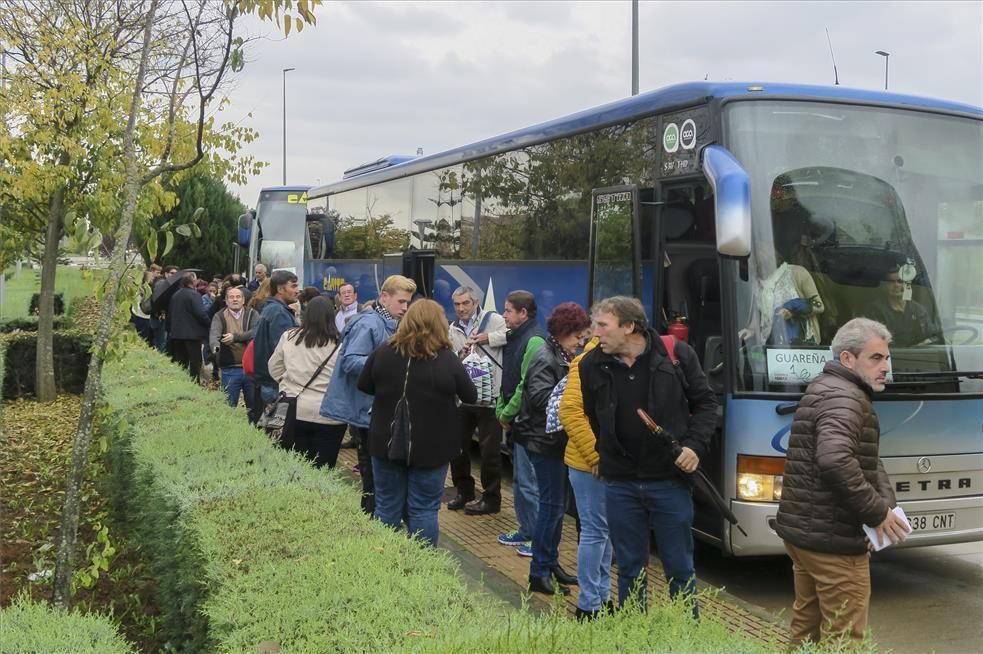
(670, 137)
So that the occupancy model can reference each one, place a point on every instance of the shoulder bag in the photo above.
(400, 442)
(278, 417)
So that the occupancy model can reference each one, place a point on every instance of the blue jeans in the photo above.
(234, 383)
(551, 482)
(414, 491)
(664, 506)
(525, 492)
(268, 393)
(159, 334)
(594, 550)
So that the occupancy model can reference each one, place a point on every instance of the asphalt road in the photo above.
(927, 599)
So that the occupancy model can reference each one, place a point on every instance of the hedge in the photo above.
(29, 627)
(71, 355)
(252, 548)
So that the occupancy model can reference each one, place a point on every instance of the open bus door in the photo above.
(614, 254)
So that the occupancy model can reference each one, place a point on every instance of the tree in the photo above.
(211, 250)
(69, 65)
(187, 47)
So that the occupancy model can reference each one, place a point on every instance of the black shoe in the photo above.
(586, 616)
(481, 507)
(545, 585)
(563, 577)
(459, 501)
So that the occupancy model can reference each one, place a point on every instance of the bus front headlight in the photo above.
(759, 478)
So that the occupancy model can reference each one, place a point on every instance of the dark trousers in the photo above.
(490, 444)
(663, 507)
(365, 468)
(551, 477)
(187, 352)
(318, 442)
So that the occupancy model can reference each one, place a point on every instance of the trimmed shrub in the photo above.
(59, 304)
(71, 354)
(29, 627)
(252, 548)
(31, 324)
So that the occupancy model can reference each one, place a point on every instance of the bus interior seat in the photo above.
(703, 281)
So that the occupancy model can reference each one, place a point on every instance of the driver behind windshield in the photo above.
(909, 322)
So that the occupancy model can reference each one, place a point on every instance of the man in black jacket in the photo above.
(628, 370)
(833, 484)
(189, 325)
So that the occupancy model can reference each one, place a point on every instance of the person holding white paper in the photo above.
(833, 484)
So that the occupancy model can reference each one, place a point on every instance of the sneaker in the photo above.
(525, 549)
(513, 539)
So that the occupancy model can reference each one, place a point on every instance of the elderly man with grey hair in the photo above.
(834, 483)
(483, 333)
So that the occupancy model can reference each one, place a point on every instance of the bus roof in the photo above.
(678, 96)
(285, 188)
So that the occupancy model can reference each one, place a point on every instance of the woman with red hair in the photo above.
(569, 328)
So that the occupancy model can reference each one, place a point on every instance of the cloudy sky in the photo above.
(375, 79)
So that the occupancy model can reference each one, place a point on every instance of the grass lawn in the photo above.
(71, 281)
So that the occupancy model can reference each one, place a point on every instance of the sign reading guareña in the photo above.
(796, 366)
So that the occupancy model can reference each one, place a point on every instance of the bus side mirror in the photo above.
(732, 200)
(246, 228)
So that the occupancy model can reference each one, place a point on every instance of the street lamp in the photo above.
(285, 71)
(886, 56)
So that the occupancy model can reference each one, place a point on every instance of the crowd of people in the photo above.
(413, 391)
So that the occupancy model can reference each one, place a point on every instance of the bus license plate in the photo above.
(921, 522)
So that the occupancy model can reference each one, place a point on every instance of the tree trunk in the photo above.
(44, 362)
(68, 535)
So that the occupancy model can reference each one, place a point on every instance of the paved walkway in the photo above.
(478, 536)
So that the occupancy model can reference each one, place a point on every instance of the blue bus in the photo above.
(763, 215)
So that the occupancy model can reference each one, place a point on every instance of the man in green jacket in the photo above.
(523, 339)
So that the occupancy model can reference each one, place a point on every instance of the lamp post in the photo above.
(634, 47)
(887, 56)
(285, 71)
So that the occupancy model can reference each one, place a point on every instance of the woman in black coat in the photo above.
(569, 329)
(416, 363)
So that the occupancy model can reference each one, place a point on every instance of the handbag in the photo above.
(479, 369)
(278, 417)
(400, 442)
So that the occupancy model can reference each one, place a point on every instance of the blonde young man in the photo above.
(343, 401)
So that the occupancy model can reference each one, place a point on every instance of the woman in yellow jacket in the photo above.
(594, 550)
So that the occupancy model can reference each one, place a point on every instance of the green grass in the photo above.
(69, 281)
(35, 627)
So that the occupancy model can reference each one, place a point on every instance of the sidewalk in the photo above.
(477, 535)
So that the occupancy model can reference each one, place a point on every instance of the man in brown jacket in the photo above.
(833, 484)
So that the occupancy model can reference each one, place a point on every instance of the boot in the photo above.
(585, 616)
(562, 576)
(545, 585)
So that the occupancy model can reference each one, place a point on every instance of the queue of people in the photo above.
(414, 390)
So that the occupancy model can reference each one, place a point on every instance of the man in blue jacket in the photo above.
(276, 319)
(363, 334)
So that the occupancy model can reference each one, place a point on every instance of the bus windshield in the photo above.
(860, 211)
(281, 217)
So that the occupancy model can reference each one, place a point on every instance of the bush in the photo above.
(250, 545)
(30, 628)
(31, 324)
(71, 354)
(59, 302)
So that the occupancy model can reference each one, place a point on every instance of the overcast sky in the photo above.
(376, 79)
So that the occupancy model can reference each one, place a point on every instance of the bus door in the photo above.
(614, 254)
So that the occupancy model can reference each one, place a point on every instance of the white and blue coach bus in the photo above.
(766, 215)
